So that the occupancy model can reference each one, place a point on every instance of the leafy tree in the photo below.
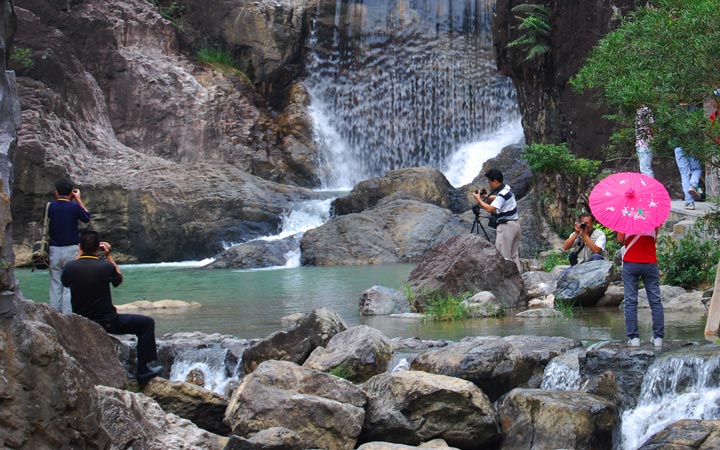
(663, 54)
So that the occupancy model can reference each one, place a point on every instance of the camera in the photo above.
(481, 191)
(583, 226)
(476, 210)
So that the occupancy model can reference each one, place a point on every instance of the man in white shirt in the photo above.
(587, 242)
(504, 216)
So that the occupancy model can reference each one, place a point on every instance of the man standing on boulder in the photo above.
(89, 280)
(64, 237)
(503, 216)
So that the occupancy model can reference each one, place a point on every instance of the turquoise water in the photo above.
(249, 304)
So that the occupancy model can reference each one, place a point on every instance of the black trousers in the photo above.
(141, 326)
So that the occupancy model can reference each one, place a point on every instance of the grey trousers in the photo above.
(507, 241)
(60, 295)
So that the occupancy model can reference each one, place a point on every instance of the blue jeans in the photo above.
(141, 326)
(631, 274)
(645, 159)
(690, 172)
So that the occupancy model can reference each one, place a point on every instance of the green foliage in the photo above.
(611, 244)
(441, 307)
(220, 60)
(341, 372)
(23, 57)
(535, 28)
(556, 158)
(663, 54)
(171, 11)
(690, 262)
(555, 258)
(565, 308)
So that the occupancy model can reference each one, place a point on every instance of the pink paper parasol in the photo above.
(630, 202)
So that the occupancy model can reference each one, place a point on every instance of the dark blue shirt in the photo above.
(64, 216)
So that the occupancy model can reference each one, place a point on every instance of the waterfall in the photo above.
(211, 362)
(562, 373)
(674, 388)
(403, 83)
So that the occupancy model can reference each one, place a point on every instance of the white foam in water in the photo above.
(466, 163)
(304, 216)
(178, 264)
(561, 376)
(673, 389)
(211, 361)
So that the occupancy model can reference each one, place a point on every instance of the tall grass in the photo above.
(448, 307)
(220, 60)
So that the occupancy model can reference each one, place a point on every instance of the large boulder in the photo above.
(686, 434)
(515, 170)
(48, 398)
(296, 342)
(381, 300)
(424, 184)
(535, 419)
(201, 406)
(584, 284)
(628, 364)
(496, 365)
(136, 421)
(409, 407)
(323, 410)
(538, 284)
(395, 230)
(468, 263)
(438, 444)
(84, 340)
(256, 254)
(274, 438)
(355, 354)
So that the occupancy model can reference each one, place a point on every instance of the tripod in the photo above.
(477, 225)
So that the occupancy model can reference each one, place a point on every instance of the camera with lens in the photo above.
(482, 192)
(583, 226)
(476, 210)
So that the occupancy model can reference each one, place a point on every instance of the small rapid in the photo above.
(674, 388)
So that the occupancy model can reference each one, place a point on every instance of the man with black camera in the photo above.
(89, 279)
(588, 243)
(501, 205)
(64, 214)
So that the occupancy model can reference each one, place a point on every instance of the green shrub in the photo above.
(556, 158)
(689, 262)
(555, 258)
(611, 245)
(220, 60)
(23, 57)
(441, 307)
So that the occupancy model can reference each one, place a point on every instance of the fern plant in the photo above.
(535, 29)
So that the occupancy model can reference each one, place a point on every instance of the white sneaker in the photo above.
(634, 342)
(657, 342)
(694, 192)
(690, 206)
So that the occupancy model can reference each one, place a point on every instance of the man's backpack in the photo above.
(40, 258)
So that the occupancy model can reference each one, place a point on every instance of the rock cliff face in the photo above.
(551, 110)
(172, 156)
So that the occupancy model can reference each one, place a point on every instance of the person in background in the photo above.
(640, 262)
(690, 171)
(64, 214)
(643, 136)
(89, 279)
(502, 207)
(588, 243)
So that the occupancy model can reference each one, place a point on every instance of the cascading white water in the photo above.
(562, 373)
(211, 362)
(674, 388)
(402, 83)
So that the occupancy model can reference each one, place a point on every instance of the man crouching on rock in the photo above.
(89, 280)
(503, 209)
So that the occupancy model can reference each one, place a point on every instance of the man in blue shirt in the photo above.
(64, 214)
